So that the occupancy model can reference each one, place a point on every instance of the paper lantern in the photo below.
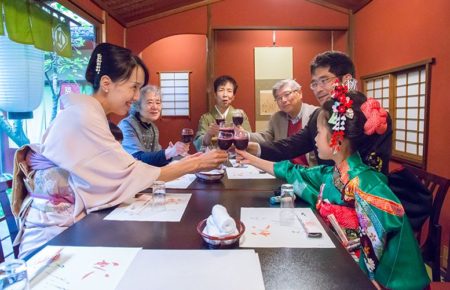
(21, 76)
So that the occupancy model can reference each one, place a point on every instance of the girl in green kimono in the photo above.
(389, 252)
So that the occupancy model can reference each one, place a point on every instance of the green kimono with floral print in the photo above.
(389, 252)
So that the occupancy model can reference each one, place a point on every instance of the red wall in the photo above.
(114, 31)
(407, 32)
(234, 55)
(176, 53)
(189, 22)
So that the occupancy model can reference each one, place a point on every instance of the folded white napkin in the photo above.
(222, 220)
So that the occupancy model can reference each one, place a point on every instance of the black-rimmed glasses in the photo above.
(285, 95)
(321, 82)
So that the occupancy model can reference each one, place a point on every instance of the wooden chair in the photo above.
(10, 221)
(431, 248)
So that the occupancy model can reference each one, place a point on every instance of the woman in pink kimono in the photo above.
(80, 167)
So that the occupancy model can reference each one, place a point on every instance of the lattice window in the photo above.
(378, 88)
(174, 93)
(410, 109)
(403, 92)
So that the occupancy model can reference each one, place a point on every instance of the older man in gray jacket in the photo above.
(292, 117)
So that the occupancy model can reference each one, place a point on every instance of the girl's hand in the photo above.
(244, 157)
(247, 158)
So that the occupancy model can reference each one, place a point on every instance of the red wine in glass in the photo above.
(226, 127)
(241, 140)
(238, 120)
(225, 140)
(224, 144)
(238, 117)
(241, 144)
(187, 135)
(219, 121)
(228, 130)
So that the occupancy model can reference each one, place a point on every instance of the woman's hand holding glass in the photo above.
(177, 149)
(211, 134)
(207, 161)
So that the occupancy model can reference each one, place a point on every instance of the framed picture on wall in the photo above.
(267, 103)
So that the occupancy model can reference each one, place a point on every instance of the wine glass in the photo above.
(226, 127)
(187, 135)
(238, 117)
(220, 120)
(225, 140)
(241, 138)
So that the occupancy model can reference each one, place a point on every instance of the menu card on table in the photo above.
(143, 208)
(194, 270)
(265, 228)
(79, 267)
(181, 183)
(247, 172)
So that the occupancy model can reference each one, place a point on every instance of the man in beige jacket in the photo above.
(292, 117)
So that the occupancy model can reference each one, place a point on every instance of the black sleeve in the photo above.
(291, 147)
(157, 158)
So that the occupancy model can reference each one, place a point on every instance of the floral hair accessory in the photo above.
(342, 109)
(376, 117)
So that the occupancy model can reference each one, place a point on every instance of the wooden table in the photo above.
(282, 268)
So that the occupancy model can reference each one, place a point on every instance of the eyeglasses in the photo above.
(321, 82)
(285, 95)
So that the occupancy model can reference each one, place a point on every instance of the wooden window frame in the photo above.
(404, 157)
(189, 95)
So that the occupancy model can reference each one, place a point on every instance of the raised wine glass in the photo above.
(241, 138)
(238, 117)
(226, 127)
(225, 140)
(187, 135)
(220, 120)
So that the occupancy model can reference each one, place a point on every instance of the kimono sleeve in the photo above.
(381, 217)
(306, 181)
(203, 125)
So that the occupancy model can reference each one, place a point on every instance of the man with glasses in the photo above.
(326, 68)
(292, 117)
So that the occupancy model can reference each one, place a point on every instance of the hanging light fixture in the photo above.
(21, 78)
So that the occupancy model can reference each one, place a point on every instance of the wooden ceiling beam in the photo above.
(171, 12)
(361, 5)
(110, 11)
(334, 7)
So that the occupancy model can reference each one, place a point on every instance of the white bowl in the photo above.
(212, 175)
(220, 241)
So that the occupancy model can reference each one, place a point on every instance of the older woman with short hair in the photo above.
(140, 134)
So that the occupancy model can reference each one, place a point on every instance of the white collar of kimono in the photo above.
(224, 115)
